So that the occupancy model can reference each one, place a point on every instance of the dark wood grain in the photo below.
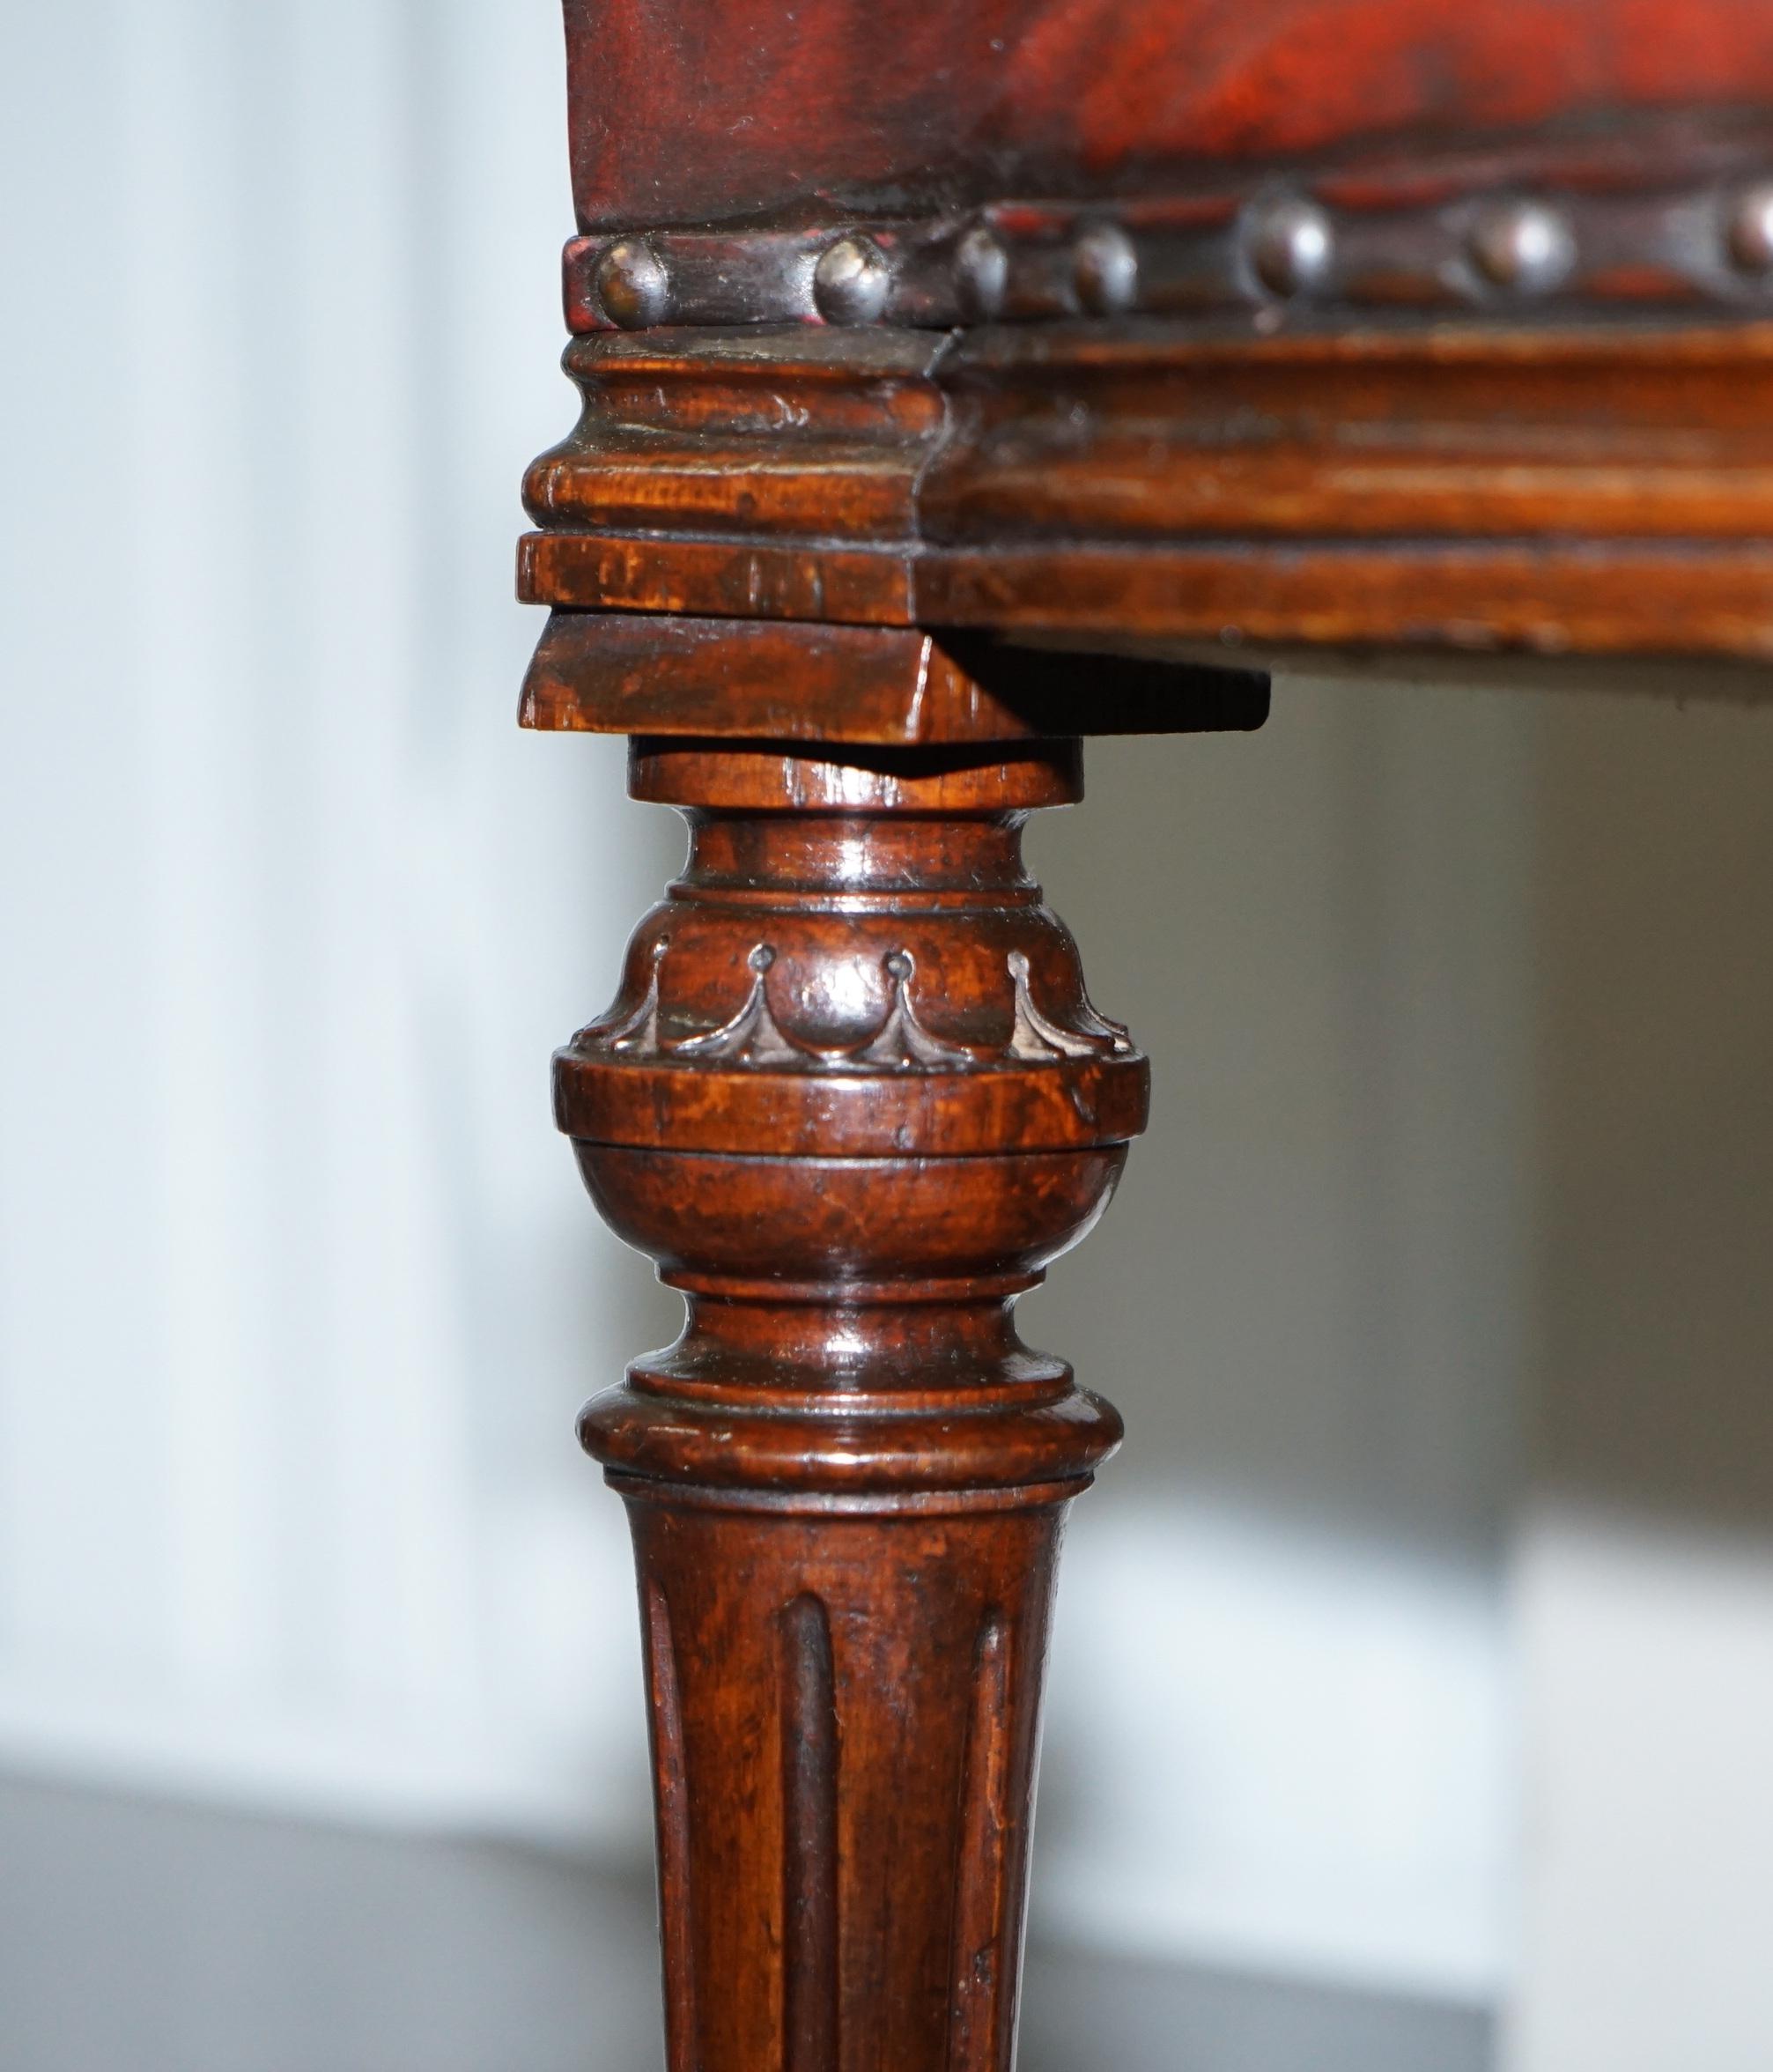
(852, 1096)
(895, 687)
(1603, 489)
(914, 341)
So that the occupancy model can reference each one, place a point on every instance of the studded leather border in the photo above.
(1276, 248)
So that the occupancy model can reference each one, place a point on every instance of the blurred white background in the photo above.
(1418, 1643)
(298, 1297)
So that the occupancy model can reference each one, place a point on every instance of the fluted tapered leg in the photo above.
(851, 1097)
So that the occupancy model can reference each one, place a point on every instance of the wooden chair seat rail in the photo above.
(956, 384)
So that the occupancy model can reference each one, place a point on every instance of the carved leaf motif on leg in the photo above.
(1034, 1035)
(638, 1032)
(1119, 1036)
(902, 1041)
(751, 1034)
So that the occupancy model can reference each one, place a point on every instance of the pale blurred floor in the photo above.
(163, 1938)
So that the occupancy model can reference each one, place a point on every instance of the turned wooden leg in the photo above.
(851, 1097)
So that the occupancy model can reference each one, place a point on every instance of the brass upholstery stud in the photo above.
(981, 273)
(1748, 233)
(1292, 245)
(632, 284)
(1523, 245)
(851, 281)
(1105, 268)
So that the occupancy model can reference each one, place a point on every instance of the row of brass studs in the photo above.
(1283, 247)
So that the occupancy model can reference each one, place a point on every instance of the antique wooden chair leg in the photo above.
(851, 1097)
(1108, 338)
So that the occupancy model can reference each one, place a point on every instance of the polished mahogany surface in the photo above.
(955, 382)
(1344, 322)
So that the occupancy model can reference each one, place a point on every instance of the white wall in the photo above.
(1282, 1689)
(1648, 1899)
(297, 1295)
(1645, 1558)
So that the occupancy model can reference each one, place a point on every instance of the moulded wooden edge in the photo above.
(1555, 487)
(890, 687)
(1062, 1105)
(1551, 597)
